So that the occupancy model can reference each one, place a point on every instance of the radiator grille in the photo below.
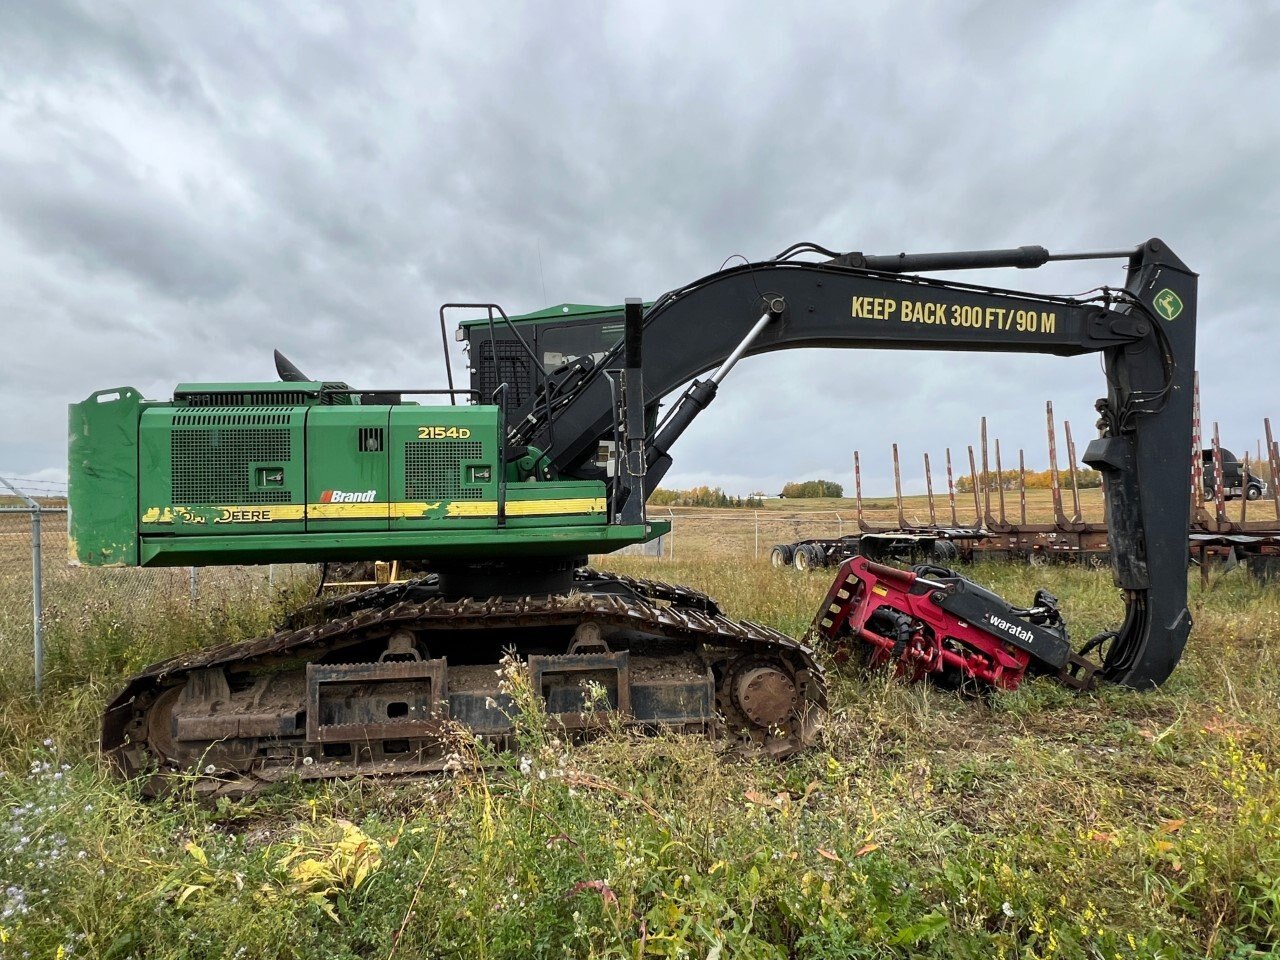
(214, 466)
(289, 398)
(266, 398)
(511, 367)
(249, 418)
(433, 469)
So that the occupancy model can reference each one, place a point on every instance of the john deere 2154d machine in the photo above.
(503, 489)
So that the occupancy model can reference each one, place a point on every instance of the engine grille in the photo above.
(250, 418)
(265, 398)
(213, 466)
(433, 471)
(289, 398)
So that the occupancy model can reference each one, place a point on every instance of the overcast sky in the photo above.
(184, 186)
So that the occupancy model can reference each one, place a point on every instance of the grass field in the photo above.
(1042, 824)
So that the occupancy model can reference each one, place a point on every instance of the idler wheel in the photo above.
(766, 695)
(160, 725)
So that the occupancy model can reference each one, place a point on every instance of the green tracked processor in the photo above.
(497, 493)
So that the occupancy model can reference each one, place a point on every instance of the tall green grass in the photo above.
(1041, 824)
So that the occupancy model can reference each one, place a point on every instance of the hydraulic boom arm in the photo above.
(1145, 331)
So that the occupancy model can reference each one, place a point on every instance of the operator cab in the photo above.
(557, 336)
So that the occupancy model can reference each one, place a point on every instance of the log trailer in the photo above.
(502, 489)
(999, 531)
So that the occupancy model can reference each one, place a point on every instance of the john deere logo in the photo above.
(1168, 304)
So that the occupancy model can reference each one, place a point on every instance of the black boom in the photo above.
(1145, 331)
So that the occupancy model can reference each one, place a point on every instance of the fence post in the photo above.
(194, 585)
(757, 521)
(37, 599)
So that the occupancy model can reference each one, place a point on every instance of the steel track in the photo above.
(683, 619)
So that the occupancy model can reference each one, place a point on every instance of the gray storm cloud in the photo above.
(185, 187)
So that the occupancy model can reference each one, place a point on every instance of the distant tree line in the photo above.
(804, 489)
(1036, 480)
(700, 497)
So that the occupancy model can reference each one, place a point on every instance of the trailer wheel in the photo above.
(781, 554)
(945, 551)
(810, 556)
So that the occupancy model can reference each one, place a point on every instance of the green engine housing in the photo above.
(292, 472)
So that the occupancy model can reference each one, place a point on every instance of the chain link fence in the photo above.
(746, 534)
(38, 585)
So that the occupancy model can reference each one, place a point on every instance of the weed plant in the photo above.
(1043, 823)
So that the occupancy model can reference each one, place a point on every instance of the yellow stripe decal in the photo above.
(256, 513)
(272, 513)
(414, 509)
(456, 508)
(526, 508)
(348, 511)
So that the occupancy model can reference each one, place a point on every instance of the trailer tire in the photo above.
(810, 556)
(945, 551)
(781, 555)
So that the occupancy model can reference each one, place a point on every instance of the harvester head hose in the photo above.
(1123, 652)
(1097, 640)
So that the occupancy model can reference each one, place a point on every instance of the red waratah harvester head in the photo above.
(930, 622)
